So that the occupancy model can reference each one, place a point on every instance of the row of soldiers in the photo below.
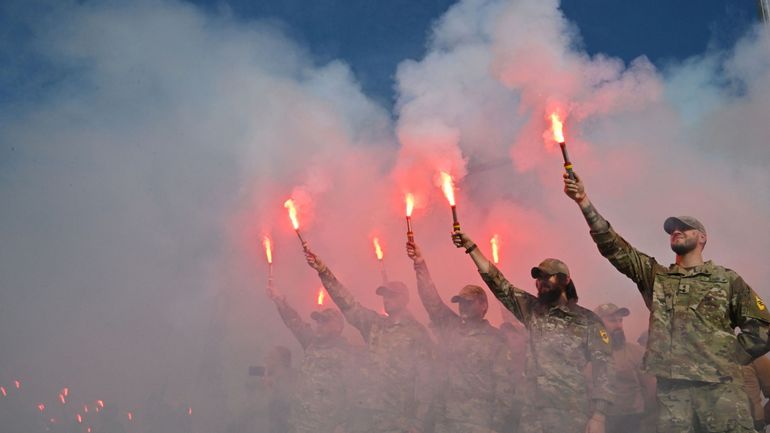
(577, 376)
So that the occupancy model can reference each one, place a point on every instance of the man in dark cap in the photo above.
(475, 375)
(563, 338)
(395, 392)
(634, 390)
(695, 306)
(322, 390)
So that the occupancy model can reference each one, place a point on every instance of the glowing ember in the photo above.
(41, 407)
(62, 399)
(409, 204)
(321, 296)
(268, 249)
(65, 391)
(3, 391)
(80, 419)
(495, 242)
(17, 383)
(447, 186)
(289, 204)
(558, 128)
(100, 403)
(377, 248)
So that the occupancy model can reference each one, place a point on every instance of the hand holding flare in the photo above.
(558, 135)
(447, 186)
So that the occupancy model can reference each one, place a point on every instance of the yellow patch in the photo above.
(605, 337)
(760, 304)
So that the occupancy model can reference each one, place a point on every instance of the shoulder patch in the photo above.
(604, 336)
(760, 304)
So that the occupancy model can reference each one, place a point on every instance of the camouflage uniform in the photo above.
(476, 389)
(395, 392)
(692, 347)
(563, 339)
(320, 403)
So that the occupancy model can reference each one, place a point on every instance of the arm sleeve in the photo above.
(750, 314)
(504, 373)
(438, 311)
(359, 317)
(302, 330)
(516, 300)
(634, 264)
(602, 364)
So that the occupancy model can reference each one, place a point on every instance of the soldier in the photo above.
(756, 382)
(321, 399)
(634, 390)
(395, 391)
(280, 379)
(695, 306)
(476, 385)
(563, 338)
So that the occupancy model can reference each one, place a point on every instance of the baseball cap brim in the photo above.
(672, 223)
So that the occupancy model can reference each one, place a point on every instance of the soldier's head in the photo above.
(687, 234)
(329, 322)
(395, 296)
(553, 280)
(612, 316)
(472, 302)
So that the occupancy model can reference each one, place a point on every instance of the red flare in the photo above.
(17, 383)
(3, 391)
(85, 408)
(41, 407)
(321, 296)
(80, 419)
(100, 403)
(268, 249)
(377, 248)
(62, 399)
(289, 204)
(130, 416)
(189, 411)
(88, 430)
(409, 204)
(447, 186)
(558, 128)
(65, 391)
(495, 242)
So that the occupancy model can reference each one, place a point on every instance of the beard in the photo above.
(685, 247)
(618, 339)
(549, 294)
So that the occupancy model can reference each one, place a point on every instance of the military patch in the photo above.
(605, 337)
(760, 304)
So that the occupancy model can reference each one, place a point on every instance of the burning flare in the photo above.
(268, 249)
(65, 392)
(189, 410)
(41, 407)
(62, 399)
(495, 242)
(3, 391)
(558, 128)
(377, 248)
(17, 383)
(321, 296)
(80, 419)
(100, 403)
(409, 204)
(130, 416)
(289, 204)
(447, 186)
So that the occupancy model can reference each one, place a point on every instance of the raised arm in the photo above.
(514, 299)
(358, 316)
(302, 330)
(637, 266)
(438, 311)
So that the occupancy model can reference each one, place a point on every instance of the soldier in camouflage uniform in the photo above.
(476, 389)
(695, 306)
(321, 396)
(395, 392)
(563, 338)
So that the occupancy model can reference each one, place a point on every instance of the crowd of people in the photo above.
(565, 368)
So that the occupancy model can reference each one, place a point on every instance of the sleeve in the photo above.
(437, 310)
(358, 316)
(504, 373)
(602, 365)
(514, 299)
(634, 264)
(302, 330)
(750, 314)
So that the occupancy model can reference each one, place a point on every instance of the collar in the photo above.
(706, 268)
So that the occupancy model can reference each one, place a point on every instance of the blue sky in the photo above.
(374, 36)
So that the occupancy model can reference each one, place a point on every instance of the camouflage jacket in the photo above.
(396, 370)
(562, 341)
(693, 314)
(476, 371)
(322, 391)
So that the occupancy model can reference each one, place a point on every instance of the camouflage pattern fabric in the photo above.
(320, 402)
(475, 368)
(562, 340)
(693, 314)
(395, 386)
(687, 407)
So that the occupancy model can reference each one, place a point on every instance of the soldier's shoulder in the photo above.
(589, 316)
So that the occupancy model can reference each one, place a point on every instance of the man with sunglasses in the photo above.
(695, 306)
(563, 338)
(476, 374)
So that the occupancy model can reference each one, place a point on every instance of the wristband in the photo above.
(470, 249)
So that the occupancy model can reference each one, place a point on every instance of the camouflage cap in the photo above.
(606, 310)
(469, 293)
(672, 223)
(550, 267)
(326, 315)
(392, 288)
